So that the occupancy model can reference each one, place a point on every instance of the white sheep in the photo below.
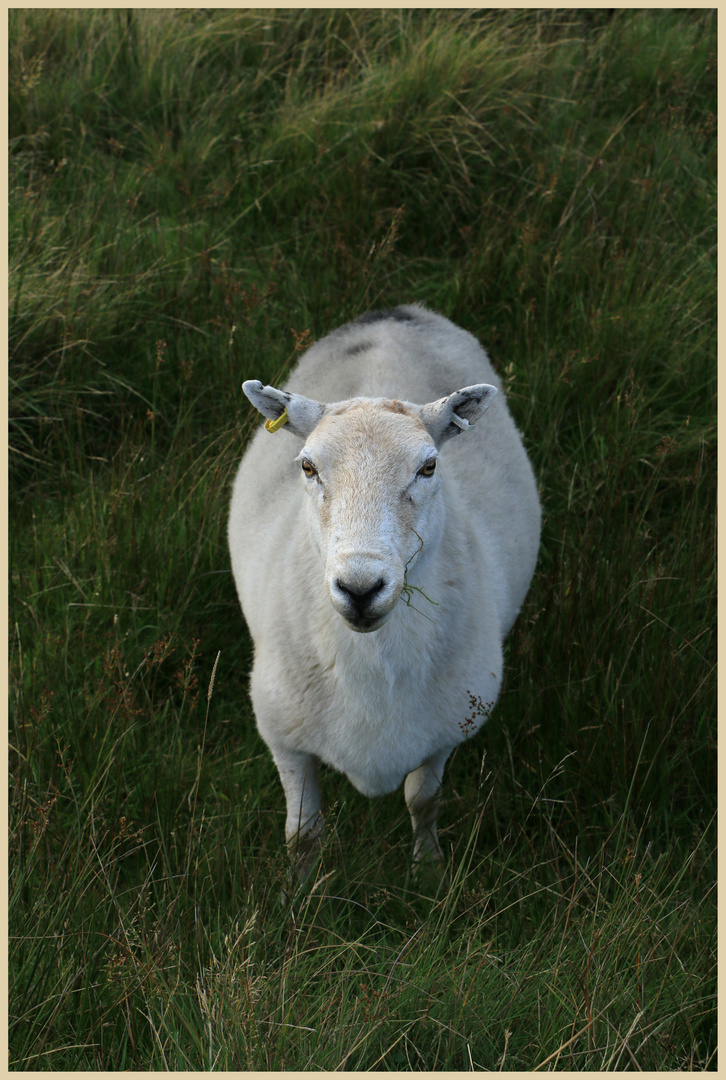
(379, 561)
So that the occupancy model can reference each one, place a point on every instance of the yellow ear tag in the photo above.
(275, 425)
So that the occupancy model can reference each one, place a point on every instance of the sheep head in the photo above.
(369, 470)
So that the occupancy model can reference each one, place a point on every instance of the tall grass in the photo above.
(194, 197)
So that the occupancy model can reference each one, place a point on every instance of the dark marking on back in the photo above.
(362, 346)
(396, 314)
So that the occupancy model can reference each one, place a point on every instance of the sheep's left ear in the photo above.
(303, 414)
(451, 415)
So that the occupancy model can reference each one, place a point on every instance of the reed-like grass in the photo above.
(194, 197)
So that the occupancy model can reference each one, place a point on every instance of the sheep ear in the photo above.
(451, 415)
(303, 414)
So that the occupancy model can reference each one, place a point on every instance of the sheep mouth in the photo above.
(365, 624)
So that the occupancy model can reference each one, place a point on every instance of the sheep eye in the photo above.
(308, 468)
(429, 468)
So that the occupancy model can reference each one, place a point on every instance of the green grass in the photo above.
(194, 197)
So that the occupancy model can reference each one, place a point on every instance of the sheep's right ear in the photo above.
(303, 414)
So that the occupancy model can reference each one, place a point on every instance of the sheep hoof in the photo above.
(428, 870)
(304, 856)
(305, 850)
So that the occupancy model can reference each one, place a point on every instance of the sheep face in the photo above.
(370, 472)
(371, 477)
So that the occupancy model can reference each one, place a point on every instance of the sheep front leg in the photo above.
(304, 823)
(423, 796)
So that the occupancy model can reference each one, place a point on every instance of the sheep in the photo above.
(380, 561)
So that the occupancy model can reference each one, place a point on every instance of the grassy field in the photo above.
(194, 197)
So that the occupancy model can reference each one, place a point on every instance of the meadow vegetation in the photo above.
(194, 196)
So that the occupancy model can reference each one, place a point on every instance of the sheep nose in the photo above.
(360, 597)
